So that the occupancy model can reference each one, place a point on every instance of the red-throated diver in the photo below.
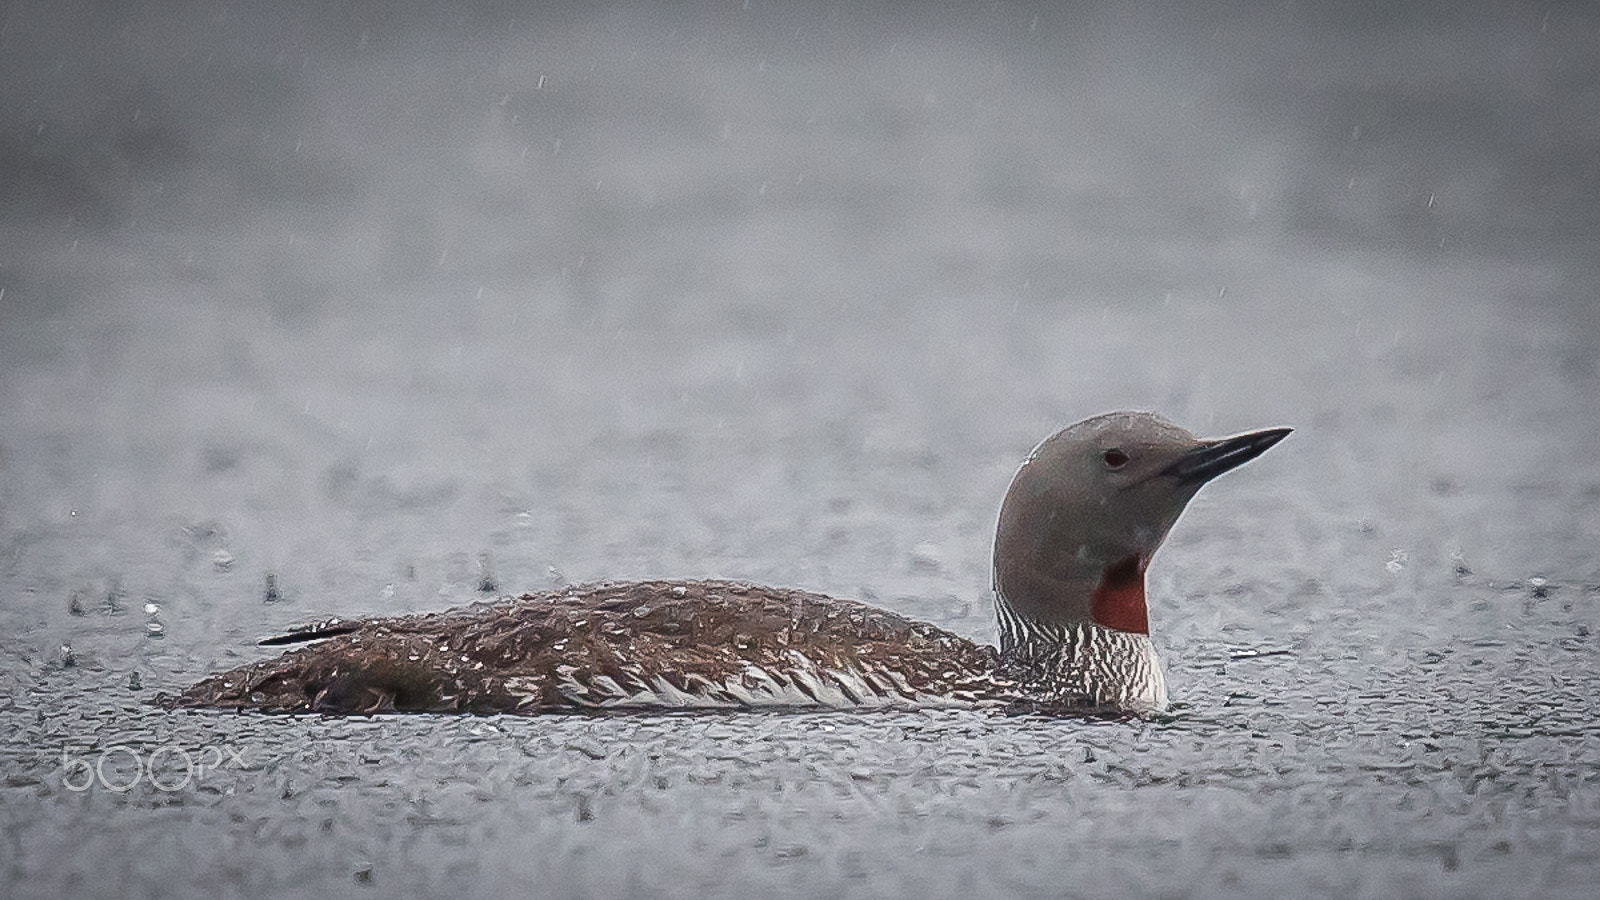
(1078, 526)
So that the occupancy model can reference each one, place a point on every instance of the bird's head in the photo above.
(1090, 506)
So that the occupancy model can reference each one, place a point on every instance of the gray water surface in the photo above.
(383, 303)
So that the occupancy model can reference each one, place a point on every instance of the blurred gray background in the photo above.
(384, 300)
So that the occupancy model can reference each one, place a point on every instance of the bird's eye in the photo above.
(1115, 459)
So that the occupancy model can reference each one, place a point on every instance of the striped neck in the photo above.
(1081, 662)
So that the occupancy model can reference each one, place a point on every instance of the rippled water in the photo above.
(381, 304)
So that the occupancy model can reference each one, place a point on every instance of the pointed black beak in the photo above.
(1212, 458)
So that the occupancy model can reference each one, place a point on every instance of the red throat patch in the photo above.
(1119, 600)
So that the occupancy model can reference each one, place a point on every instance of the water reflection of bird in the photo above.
(1077, 528)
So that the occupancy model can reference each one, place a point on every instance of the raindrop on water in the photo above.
(926, 556)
